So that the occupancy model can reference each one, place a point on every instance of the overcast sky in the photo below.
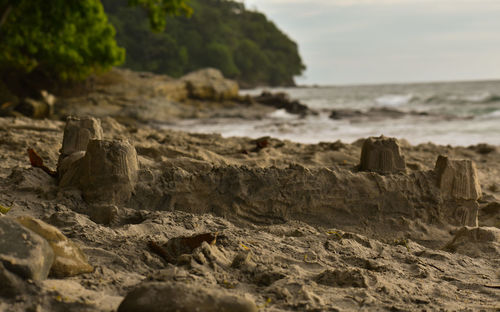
(377, 41)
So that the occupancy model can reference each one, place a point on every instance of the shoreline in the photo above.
(262, 224)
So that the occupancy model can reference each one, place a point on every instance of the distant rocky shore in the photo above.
(145, 97)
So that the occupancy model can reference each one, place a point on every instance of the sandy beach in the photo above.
(165, 220)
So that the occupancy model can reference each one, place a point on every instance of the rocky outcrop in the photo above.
(69, 259)
(180, 297)
(210, 84)
(282, 101)
(24, 252)
(382, 155)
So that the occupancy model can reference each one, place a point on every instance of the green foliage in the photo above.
(243, 44)
(158, 10)
(65, 39)
(70, 39)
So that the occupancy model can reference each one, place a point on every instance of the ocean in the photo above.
(455, 113)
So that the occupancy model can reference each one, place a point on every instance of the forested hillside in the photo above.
(243, 44)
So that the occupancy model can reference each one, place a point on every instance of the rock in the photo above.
(69, 259)
(12, 285)
(210, 84)
(24, 252)
(483, 148)
(345, 113)
(457, 179)
(177, 246)
(109, 171)
(481, 242)
(179, 297)
(382, 155)
(34, 108)
(282, 101)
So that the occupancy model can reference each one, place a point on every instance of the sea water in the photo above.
(455, 113)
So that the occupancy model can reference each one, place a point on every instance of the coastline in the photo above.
(270, 253)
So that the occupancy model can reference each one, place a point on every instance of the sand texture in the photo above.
(173, 221)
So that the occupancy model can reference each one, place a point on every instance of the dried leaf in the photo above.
(37, 162)
(35, 159)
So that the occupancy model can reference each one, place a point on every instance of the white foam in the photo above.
(394, 100)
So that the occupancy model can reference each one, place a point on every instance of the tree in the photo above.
(223, 34)
(67, 39)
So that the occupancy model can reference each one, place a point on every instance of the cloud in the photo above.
(391, 40)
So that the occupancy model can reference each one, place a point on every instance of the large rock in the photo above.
(210, 84)
(24, 252)
(179, 297)
(457, 179)
(69, 259)
(12, 285)
(281, 100)
(382, 155)
(109, 171)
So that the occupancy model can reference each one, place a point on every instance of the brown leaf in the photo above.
(37, 162)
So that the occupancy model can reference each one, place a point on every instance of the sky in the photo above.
(383, 41)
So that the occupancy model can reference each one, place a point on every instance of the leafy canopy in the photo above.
(223, 34)
(67, 39)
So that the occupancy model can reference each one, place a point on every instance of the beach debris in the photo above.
(178, 246)
(181, 297)
(457, 179)
(37, 162)
(4, 209)
(24, 252)
(382, 155)
(261, 143)
(69, 259)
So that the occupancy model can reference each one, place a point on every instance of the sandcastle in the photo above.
(107, 174)
(105, 171)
